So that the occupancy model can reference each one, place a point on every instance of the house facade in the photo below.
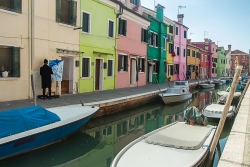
(132, 47)
(228, 61)
(157, 46)
(97, 63)
(193, 59)
(221, 61)
(180, 47)
(239, 57)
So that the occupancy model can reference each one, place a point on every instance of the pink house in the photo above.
(180, 48)
(132, 47)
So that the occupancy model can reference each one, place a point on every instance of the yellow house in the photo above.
(193, 59)
(34, 31)
(170, 48)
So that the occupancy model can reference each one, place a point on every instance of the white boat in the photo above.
(33, 127)
(224, 94)
(236, 94)
(207, 86)
(215, 111)
(178, 93)
(223, 81)
(163, 147)
(217, 82)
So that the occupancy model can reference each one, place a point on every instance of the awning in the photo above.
(66, 51)
(102, 53)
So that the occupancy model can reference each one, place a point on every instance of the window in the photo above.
(213, 70)
(142, 64)
(193, 53)
(85, 67)
(171, 29)
(10, 61)
(185, 34)
(221, 61)
(184, 52)
(111, 29)
(176, 68)
(14, 5)
(188, 52)
(171, 47)
(144, 35)
(176, 30)
(178, 51)
(153, 39)
(197, 55)
(86, 22)
(170, 70)
(164, 43)
(122, 63)
(122, 27)
(66, 12)
(110, 68)
(135, 2)
(196, 68)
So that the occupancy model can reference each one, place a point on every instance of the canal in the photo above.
(97, 143)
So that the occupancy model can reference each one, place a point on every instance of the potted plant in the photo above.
(5, 74)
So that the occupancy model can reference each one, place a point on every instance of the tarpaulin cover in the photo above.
(24, 119)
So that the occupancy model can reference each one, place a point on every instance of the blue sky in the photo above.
(227, 21)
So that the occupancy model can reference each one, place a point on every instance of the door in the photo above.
(68, 75)
(133, 71)
(97, 74)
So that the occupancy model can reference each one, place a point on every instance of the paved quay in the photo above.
(237, 149)
(92, 97)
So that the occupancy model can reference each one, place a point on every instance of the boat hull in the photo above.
(42, 139)
(176, 98)
(207, 86)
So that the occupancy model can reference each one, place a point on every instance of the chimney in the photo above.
(189, 41)
(229, 47)
(180, 18)
(206, 40)
(159, 12)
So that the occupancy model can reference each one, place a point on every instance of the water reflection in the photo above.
(96, 144)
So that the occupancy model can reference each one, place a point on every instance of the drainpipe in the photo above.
(29, 48)
(32, 37)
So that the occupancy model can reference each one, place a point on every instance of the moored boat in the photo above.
(215, 111)
(161, 147)
(207, 86)
(178, 93)
(30, 128)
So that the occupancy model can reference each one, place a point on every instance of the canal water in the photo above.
(97, 143)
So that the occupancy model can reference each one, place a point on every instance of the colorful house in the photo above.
(98, 42)
(157, 46)
(242, 58)
(180, 47)
(221, 61)
(132, 46)
(193, 59)
(228, 61)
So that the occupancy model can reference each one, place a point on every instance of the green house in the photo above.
(221, 62)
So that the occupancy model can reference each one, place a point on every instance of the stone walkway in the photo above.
(237, 149)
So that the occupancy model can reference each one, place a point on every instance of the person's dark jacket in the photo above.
(45, 72)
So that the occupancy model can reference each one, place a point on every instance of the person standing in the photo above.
(196, 74)
(45, 72)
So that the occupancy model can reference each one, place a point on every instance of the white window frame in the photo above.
(89, 66)
(140, 64)
(113, 28)
(83, 11)
(112, 68)
(169, 71)
(164, 43)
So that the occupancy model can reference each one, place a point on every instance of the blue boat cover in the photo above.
(23, 119)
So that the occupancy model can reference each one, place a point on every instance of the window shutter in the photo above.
(15, 62)
(72, 13)
(111, 25)
(110, 65)
(137, 2)
(125, 63)
(172, 48)
(184, 52)
(85, 22)
(119, 62)
(58, 10)
(177, 68)
(124, 27)
(120, 26)
(143, 65)
(157, 68)
(146, 36)
(17, 6)
(142, 35)
(171, 70)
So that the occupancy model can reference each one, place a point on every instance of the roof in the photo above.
(181, 24)
(238, 52)
(227, 51)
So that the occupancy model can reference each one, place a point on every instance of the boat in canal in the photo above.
(207, 86)
(163, 147)
(174, 108)
(30, 128)
(178, 93)
(214, 111)
(217, 82)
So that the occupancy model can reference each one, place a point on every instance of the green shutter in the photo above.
(17, 6)
(15, 62)
(58, 10)
(124, 27)
(119, 62)
(142, 35)
(73, 13)
(120, 26)
(85, 22)
(125, 68)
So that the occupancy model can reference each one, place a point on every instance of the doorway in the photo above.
(67, 83)
(133, 71)
(150, 73)
(99, 74)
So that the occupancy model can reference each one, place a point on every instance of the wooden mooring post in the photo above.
(224, 114)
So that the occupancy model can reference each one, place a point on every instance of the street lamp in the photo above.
(180, 6)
